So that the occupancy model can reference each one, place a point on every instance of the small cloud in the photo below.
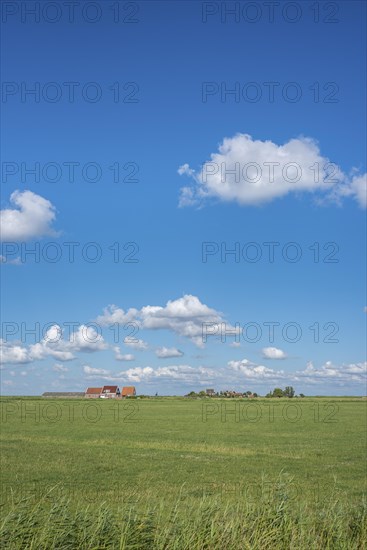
(188, 197)
(122, 357)
(32, 217)
(253, 371)
(165, 353)
(358, 187)
(113, 314)
(92, 371)
(185, 169)
(13, 352)
(15, 261)
(273, 353)
(135, 343)
(60, 368)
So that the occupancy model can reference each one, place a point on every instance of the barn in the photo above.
(93, 393)
(128, 391)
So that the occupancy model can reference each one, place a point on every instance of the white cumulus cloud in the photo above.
(184, 316)
(350, 372)
(358, 187)
(253, 371)
(53, 344)
(86, 338)
(113, 314)
(273, 353)
(32, 217)
(253, 172)
(13, 352)
(182, 373)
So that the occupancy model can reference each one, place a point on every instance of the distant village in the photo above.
(277, 392)
(113, 392)
(227, 393)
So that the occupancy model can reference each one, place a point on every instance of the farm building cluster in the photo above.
(104, 392)
(110, 392)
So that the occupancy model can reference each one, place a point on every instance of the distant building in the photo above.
(110, 392)
(63, 394)
(93, 393)
(128, 391)
(210, 392)
(232, 393)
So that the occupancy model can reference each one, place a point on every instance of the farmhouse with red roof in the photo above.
(92, 393)
(128, 391)
(110, 392)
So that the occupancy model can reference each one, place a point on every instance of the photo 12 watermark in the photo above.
(270, 12)
(15, 492)
(70, 171)
(70, 11)
(53, 252)
(241, 411)
(251, 492)
(286, 489)
(270, 252)
(69, 92)
(272, 331)
(28, 411)
(269, 92)
(270, 173)
(73, 332)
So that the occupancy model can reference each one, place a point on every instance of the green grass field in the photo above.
(181, 473)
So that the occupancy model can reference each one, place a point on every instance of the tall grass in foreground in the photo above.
(207, 524)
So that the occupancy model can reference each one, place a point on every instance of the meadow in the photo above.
(183, 473)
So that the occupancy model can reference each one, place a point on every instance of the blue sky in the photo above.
(176, 132)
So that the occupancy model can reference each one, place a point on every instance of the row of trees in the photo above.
(287, 392)
(226, 393)
(277, 392)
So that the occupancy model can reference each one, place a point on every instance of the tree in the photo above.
(302, 395)
(202, 393)
(289, 391)
(278, 392)
(255, 394)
